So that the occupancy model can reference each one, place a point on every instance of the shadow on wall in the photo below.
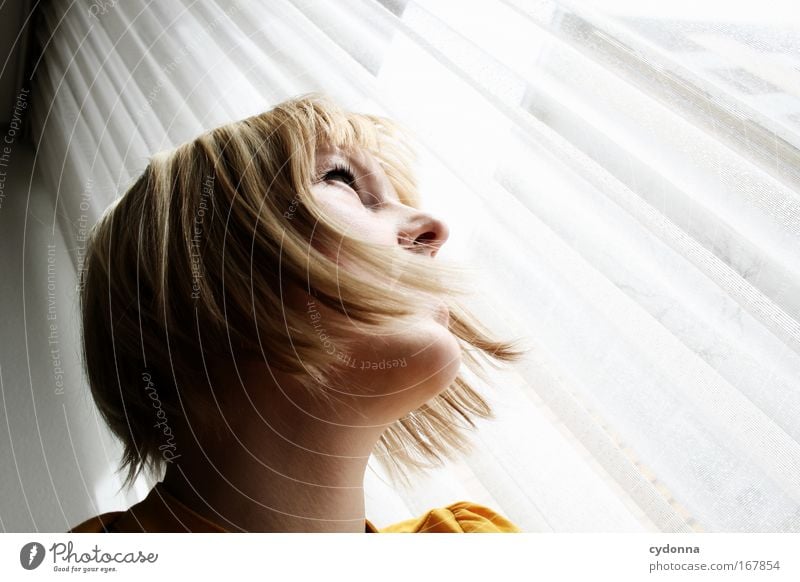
(57, 456)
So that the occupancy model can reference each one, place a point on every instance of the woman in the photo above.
(262, 311)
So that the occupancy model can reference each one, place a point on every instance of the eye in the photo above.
(344, 173)
(340, 173)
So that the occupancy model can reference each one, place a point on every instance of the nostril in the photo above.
(423, 234)
(426, 238)
(428, 242)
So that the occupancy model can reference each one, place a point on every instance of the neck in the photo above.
(286, 467)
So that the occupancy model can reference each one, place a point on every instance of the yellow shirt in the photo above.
(161, 512)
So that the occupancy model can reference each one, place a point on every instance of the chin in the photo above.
(432, 365)
(394, 375)
(441, 360)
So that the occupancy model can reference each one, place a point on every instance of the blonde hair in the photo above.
(169, 277)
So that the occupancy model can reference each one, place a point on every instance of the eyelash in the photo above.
(343, 171)
(346, 172)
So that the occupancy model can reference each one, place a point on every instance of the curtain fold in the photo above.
(624, 185)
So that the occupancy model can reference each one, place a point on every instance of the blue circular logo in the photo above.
(31, 555)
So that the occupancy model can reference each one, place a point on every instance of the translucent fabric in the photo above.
(624, 183)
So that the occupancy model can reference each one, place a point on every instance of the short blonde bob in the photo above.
(191, 264)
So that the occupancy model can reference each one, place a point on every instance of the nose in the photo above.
(423, 233)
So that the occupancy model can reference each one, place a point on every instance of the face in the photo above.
(391, 374)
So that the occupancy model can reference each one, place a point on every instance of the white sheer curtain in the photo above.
(623, 179)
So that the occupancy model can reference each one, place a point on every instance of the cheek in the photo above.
(362, 224)
(359, 221)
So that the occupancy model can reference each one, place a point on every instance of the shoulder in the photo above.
(159, 511)
(103, 523)
(458, 517)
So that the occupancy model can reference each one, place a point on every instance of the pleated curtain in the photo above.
(623, 184)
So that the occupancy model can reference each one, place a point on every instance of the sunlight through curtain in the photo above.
(624, 182)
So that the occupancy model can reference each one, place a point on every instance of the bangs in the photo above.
(315, 121)
(345, 130)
